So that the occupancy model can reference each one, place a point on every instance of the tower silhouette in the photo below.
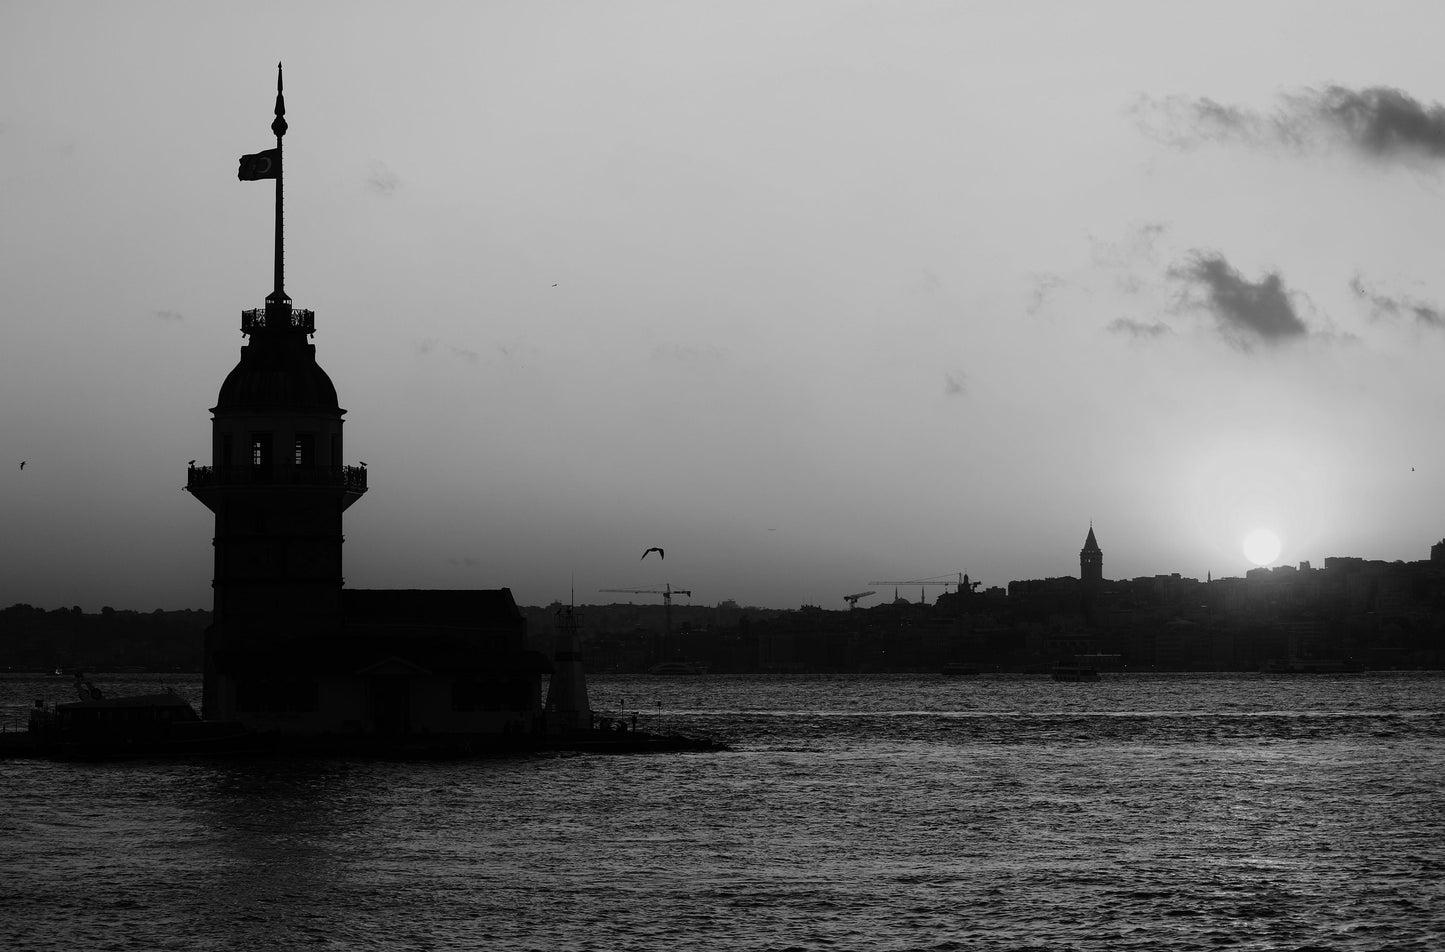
(278, 487)
(290, 649)
(1091, 561)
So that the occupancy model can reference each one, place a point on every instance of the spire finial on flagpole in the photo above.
(278, 126)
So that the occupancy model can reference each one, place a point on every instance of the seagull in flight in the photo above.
(660, 553)
(23, 462)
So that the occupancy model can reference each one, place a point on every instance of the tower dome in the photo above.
(278, 370)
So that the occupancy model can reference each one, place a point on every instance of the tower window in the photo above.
(260, 449)
(305, 450)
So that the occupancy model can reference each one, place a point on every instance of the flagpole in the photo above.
(278, 126)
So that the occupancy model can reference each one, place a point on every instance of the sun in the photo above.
(1261, 546)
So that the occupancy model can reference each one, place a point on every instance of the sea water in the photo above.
(871, 812)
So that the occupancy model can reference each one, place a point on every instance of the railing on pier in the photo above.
(204, 477)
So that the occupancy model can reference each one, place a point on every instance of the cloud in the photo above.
(955, 384)
(1383, 305)
(1044, 284)
(1139, 329)
(1380, 121)
(170, 315)
(382, 180)
(466, 562)
(1186, 123)
(1377, 122)
(1245, 310)
(1119, 257)
(427, 346)
(1138, 245)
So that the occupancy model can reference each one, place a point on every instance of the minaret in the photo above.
(278, 487)
(1091, 561)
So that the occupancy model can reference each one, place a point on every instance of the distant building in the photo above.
(289, 646)
(1091, 562)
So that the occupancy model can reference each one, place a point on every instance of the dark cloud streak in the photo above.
(1246, 310)
(1378, 122)
(1139, 329)
(1381, 121)
(1384, 305)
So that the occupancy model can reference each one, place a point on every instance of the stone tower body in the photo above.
(277, 486)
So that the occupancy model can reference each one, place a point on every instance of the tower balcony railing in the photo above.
(207, 477)
(255, 319)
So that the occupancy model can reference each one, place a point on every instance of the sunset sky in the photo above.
(808, 294)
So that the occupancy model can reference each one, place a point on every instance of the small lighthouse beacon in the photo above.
(278, 487)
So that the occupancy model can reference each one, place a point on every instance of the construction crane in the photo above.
(852, 600)
(667, 591)
(957, 579)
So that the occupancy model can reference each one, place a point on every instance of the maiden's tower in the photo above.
(290, 647)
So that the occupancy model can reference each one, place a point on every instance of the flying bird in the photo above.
(660, 553)
(23, 462)
(191, 463)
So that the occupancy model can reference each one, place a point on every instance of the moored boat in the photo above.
(163, 724)
(1074, 671)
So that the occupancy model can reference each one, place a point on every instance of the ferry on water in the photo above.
(162, 724)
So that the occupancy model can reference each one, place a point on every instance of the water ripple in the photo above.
(854, 813)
